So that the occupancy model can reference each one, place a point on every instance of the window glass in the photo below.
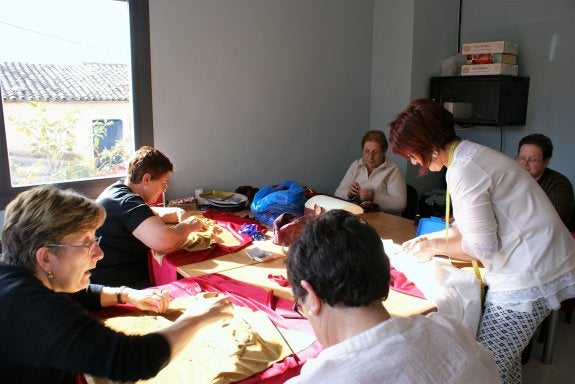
(65, 78)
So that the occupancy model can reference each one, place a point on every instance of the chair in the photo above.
(412, 202)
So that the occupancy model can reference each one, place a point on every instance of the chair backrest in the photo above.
(412, 203)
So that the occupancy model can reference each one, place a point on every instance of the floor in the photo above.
(562, 368)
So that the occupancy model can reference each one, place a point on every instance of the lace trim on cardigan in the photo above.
(521, 300)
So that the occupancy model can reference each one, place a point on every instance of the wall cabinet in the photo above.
(483, 100)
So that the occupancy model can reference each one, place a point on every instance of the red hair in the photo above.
(423, 127)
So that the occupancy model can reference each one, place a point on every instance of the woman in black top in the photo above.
(47, 333)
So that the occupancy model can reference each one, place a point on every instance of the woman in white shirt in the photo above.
(503, 219)
(374, 178)
(339, 274)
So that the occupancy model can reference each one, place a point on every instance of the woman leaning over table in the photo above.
(47, 333)
(503, 219)
(133, 226)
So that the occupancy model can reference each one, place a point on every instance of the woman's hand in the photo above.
(193, 224)
(353, 190)
(421, 248)
(210, 309)
(156, 300)
(366, 194)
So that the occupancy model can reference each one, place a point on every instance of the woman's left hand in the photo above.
(156, 300)
(366, 194)
(420, 248)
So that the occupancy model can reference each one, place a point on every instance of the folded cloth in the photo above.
(163, 267)
(455, 292)
(400, 283)
(246, 295)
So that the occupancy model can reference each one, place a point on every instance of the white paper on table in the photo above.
(454, 291)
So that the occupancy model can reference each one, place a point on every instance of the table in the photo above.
(240, 267)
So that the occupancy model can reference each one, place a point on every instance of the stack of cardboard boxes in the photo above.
(490, 58)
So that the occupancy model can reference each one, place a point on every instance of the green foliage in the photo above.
(53, 151)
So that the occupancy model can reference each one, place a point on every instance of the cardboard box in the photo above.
(489, 58)
(490, 47)
(489, 69)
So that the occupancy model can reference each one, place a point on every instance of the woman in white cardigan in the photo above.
(503, 219)
(374, 178)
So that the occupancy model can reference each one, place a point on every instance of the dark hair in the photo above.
(423, 127)
(539, 140)
(148, 160)
(376, 136)
(342, 258)
(43, 215)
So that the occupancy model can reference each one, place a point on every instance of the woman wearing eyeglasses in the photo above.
(503, 219)
(534, 153)
(374, 180)
(133, 225)
(49, 251)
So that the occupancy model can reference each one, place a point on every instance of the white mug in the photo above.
(198, 192)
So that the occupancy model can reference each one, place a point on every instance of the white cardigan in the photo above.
(508, 223)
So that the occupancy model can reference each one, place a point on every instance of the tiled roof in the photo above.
(52, 82)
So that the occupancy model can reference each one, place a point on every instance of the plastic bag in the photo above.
(270, 202)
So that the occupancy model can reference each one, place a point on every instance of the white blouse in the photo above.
(386, 180)
(509, 224)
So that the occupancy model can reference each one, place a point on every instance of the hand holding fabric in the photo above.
(421, 248)
(156, 300)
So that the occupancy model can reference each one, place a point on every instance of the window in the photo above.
(74, 112)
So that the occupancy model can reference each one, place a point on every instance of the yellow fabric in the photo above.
(222, 352)
(211, 234)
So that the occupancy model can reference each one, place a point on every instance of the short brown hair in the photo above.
(375, 136)
(44, 215)
(148, 160)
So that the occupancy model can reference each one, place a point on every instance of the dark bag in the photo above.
(287, 228)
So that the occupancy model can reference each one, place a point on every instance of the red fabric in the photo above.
(167, 272)
(247, 295)
(398, 282)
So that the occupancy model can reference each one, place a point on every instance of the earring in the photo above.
(434, 154)
(311, 312)
(50, 275)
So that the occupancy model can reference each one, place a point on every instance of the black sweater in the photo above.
(47, 336)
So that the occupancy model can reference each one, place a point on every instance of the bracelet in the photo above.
(119, 295)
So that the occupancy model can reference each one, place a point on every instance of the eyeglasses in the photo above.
(374, 153)
(91, 246)
(529, 160)
(297, 308)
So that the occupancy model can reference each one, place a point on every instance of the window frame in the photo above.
(141, 101)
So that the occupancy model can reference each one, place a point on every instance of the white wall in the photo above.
(411, 38)
(256, 92)
(545, 32)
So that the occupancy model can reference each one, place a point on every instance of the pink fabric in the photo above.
(167, 272)
(399, 283)
(247, 295)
